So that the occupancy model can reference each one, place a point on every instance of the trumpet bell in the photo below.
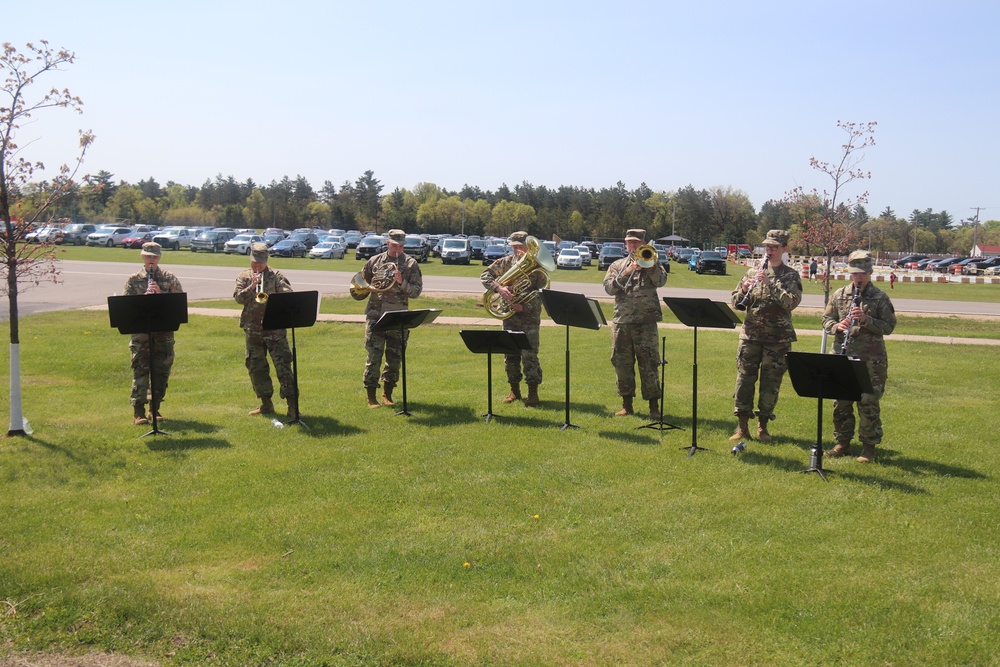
(261, 297)
(646, 256)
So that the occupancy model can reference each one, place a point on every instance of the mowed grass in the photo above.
(439, 539)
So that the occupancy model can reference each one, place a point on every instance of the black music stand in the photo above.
(572, 310)
(660, 424)
(700, 313)
(149, 314)
(488, 341)
(826, 376)
(289, 310)
(401, 320)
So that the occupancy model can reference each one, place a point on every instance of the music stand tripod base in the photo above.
(662, 425)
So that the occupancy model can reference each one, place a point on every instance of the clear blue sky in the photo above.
(580, 93)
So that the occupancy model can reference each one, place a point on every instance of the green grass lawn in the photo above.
(438, 539)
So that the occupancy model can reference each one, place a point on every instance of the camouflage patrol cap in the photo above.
(258, 253)
(151, 249)
(397, 236)
(778, 237)
(860, 261)
(635, 235)
(519, 238)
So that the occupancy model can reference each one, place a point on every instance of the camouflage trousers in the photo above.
(527, 358)
(375, 343)
(764, 360)
(258, 345)
(631, 343)
(869, 411)
(160, 363)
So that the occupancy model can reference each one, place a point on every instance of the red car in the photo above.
(135, 242)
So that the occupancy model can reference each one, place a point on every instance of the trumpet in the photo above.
(261, 296)
(742, 305)
(382, 281)
(850, 323)
(645, 256)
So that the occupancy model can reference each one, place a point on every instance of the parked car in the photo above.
(240, 244)
(136, 240)
(327, 250)
(942, 265)
(455, 251)
(309, 238)
(288, 248)
(905, 261)
(710, 261)
(109, 235)
(45, 234)
(958, 268)
(664, 260)
(683, 255)
(370, 246)
(595, 250)
(569, 258)
(492, 253)
(173, 238)
(608, 255)
(476, 248)
(415, 247)
(979, 267)
(76, 234)
(213, 241)
(584, 254)
(353, 237)
(273, 237)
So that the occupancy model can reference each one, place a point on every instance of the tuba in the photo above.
(518, 278)
(382, 281)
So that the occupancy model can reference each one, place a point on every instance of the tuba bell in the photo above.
(518, 278)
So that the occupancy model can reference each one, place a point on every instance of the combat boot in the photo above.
(387, 394)
(266, 407)
(654, 409)
(515, 393)
(372, 401)
(840, 449)
(867, 454)
(743, 429)
(532, 399)
(762, 433)
(626, 407)
(139, 414)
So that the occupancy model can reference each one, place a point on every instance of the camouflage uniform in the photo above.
(633, 327)
(396, 297)
(766, 338)
(260, 343)
(163, 343)
(866, 342)
(528, 321)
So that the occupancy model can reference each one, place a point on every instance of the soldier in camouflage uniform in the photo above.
(633, 327)
(865, 324)
(770, 293)
(260, 343)
(150, 280)
(527, 318)
(407, 283)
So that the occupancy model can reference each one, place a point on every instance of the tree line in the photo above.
(707, 217)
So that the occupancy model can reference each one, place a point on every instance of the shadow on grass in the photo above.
(318, 426)
(888, 457)
(647, 437)
(176, 442)
(427, 414)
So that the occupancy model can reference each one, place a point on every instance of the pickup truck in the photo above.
(174, 239)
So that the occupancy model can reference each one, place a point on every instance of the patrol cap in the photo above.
(397, 236)
(258, 253)
(860, 261)
(778, 237)
(635, 235)
(519, 238)
(152, 249)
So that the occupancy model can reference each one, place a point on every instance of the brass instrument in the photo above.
(742, 305)
(645, 256)
(261, 296)
(382, 281)
(536, 257)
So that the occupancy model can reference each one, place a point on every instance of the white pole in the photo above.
(16, 417)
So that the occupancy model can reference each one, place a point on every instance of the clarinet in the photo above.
(150, 280)
(850, 324)
(745, 302)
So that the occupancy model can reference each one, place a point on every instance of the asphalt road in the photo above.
(88, 284)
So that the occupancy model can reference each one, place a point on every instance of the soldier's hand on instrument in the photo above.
(859, 315)
(153, 288)
(762, 277)
(397, 276)
(517, 307)
(505, 293)
(844, 324)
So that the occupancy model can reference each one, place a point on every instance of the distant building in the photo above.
(981, 250)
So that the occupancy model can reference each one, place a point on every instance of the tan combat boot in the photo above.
(654, 409)
(626, 407)
(515, 393)
(266, 407)
(387, 394)
(372, 401)
(742, 430)
(762, 433)
(840, 449)
(867, 454)
(532, 399)
(139, 414)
